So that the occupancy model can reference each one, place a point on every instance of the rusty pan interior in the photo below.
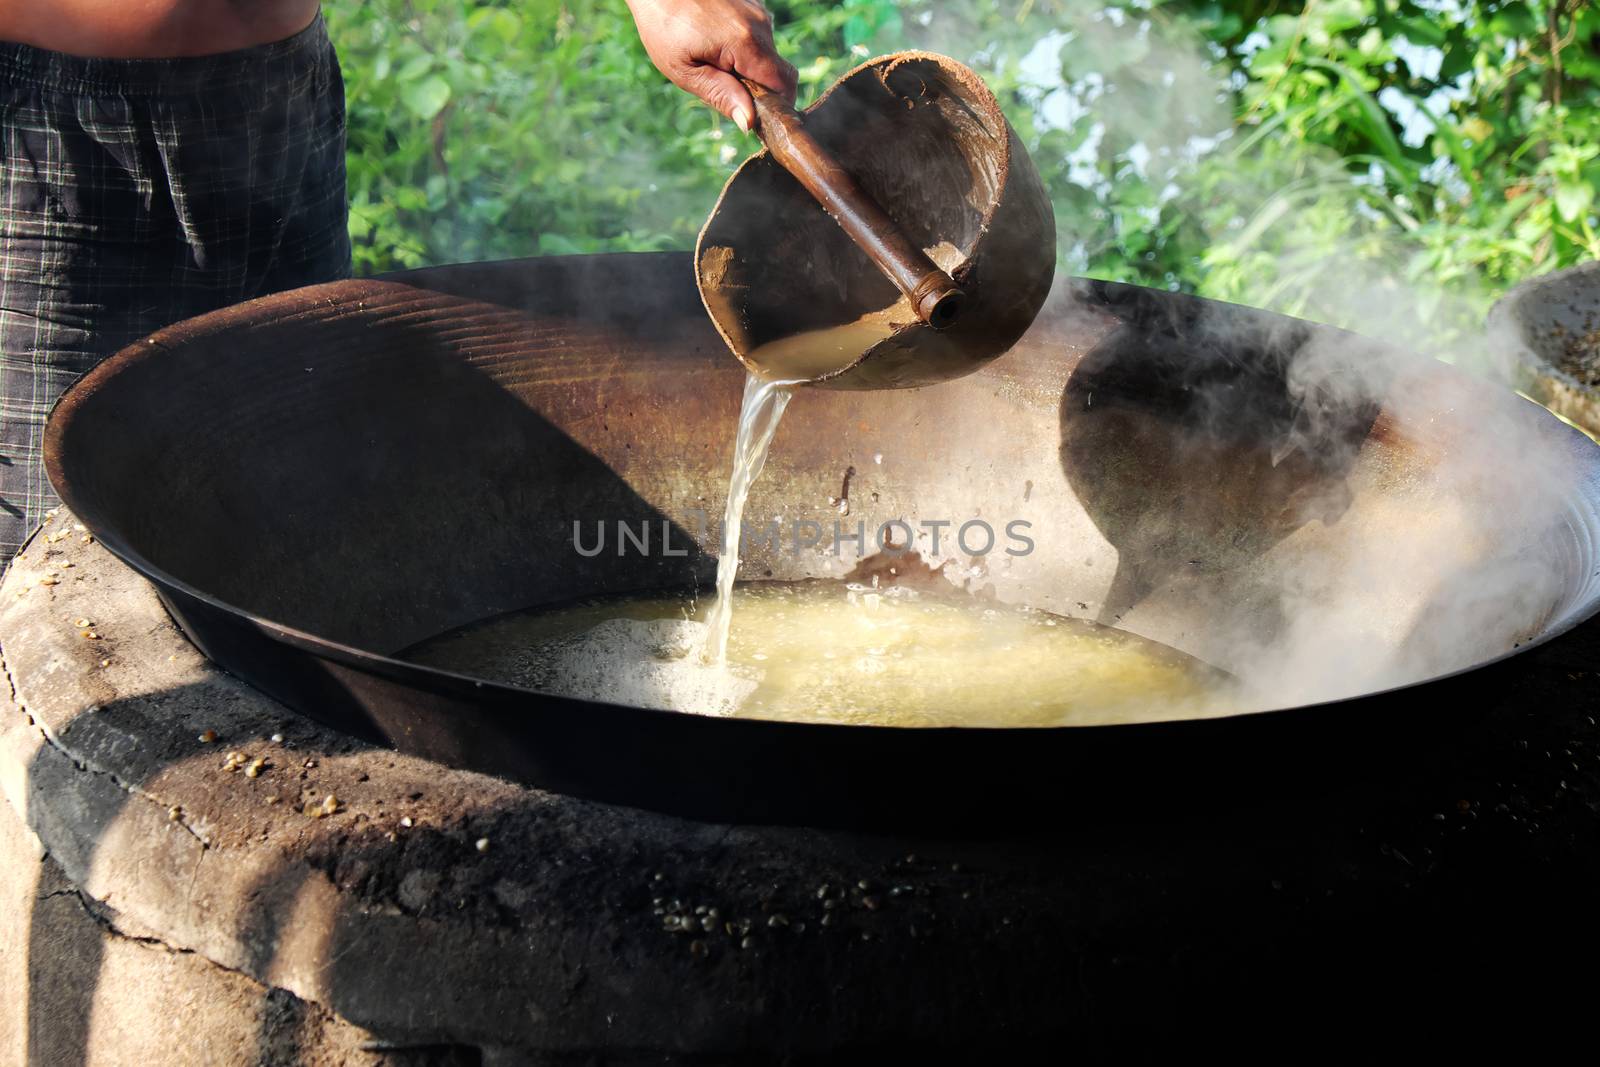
(319, 479)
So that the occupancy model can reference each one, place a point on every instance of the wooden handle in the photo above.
(935, 297)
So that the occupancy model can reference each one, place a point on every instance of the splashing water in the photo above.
(759, 415)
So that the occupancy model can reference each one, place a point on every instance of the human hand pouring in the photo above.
(932, 253)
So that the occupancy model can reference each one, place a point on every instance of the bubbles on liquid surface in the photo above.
(823, 651)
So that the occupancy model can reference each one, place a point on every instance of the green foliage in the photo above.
(1318, 156)
(482, 130)
(1439, 151)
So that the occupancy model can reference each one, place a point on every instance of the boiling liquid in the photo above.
(822, 651)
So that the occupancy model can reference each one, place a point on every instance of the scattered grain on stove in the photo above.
(406, 822)
(174, 813)
(748, 943)
(277, 739)
(207, 736)
(330, 806)
(698, 949)
(482, 844)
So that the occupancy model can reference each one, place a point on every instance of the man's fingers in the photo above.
(777, 74)
(765, 67)
(723, 92)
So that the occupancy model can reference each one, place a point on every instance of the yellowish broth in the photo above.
(822, 651)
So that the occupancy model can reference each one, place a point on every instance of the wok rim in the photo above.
(66, 407)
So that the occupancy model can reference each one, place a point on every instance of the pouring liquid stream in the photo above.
(759, 415)
(787, 363)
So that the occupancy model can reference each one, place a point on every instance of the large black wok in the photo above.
(320, 479)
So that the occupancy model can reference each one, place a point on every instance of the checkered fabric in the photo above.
(135, 193)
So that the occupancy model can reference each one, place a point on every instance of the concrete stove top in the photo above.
(164, 898)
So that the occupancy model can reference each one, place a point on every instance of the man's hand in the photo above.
(701, 45)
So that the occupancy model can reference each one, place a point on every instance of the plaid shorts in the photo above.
(135, 193)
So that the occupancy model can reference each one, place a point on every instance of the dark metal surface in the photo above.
(1550, 326)
(319, 479)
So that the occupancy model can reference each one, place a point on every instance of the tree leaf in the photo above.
(1573, 199)
(426, 98)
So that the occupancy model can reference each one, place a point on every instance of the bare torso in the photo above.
(151, 29)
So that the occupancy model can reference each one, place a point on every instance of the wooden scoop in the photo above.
(934, 250)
